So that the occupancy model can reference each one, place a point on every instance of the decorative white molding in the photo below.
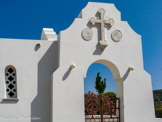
(103, 23)
(87, 34)
(72, 66)
(131, 68)
(116, 35)
(48, 34)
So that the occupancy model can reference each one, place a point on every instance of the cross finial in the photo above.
(103, 23)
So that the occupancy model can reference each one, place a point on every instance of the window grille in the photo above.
(11, 82)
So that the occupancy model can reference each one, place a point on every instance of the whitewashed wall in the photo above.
(134, 88)
(61, 99)
(34, 69)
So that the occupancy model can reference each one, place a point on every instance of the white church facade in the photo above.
(43, 80)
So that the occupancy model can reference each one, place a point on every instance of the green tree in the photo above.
(110, 94)
(100, 84)
(100, 88)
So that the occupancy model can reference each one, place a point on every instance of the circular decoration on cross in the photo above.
(87, 34)
(116, 35)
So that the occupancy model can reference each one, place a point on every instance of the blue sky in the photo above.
(89, 81)
(24, 19)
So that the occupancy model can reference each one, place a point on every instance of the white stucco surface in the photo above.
(133, 87)
(51, 71)
(34, 69)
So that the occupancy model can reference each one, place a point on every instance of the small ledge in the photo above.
(119, 79)
(10, 100)
(158, 118)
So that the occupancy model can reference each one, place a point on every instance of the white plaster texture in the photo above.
(133, 87)
(51, 71)
(34, 68)
(48, 34)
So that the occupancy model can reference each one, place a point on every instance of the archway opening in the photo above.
(106, 106)
(89, 81)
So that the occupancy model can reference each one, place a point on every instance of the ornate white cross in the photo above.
(103, 23)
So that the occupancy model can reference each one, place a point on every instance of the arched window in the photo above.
(11, 82)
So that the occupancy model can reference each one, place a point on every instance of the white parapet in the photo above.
(48, 34)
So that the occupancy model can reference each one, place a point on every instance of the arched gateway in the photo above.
(99, 35)
(107, 110)
(46, 83)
